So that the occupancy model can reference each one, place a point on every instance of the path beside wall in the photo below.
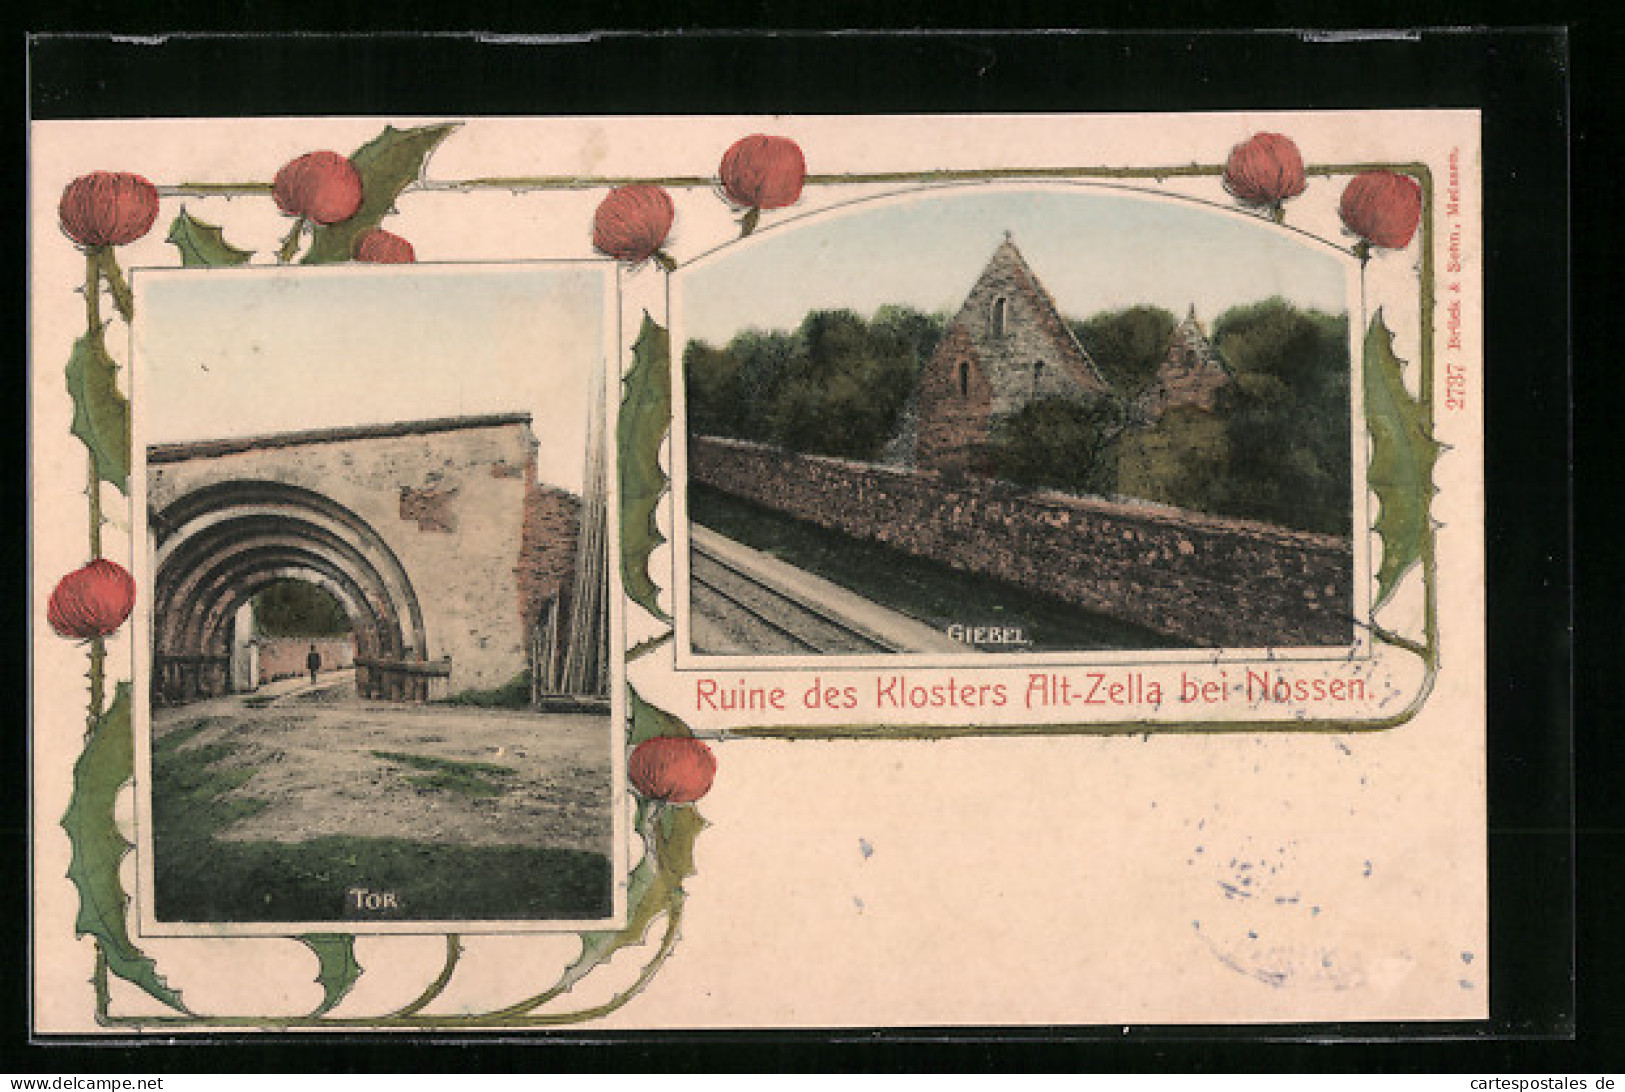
(284, 657)
(1210, 580)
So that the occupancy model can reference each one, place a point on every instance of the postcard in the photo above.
(756, 572)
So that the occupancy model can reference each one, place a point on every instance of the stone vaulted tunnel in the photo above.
(225, 543)
(415, 529)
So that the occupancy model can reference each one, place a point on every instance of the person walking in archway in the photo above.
(313, 661)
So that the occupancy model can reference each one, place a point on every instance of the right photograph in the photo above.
(982, 419)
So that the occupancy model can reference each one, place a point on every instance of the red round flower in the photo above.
(763, 172)
(105, 208)
(676, 769)
(632, 222)
(92, 601)
(382, 246)
(1264, 170)
(320, 186)
(1382, 207)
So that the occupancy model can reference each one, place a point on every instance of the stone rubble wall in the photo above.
(1209, 580)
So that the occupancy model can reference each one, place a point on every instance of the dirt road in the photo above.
(319, 765)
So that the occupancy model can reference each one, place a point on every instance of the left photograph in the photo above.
(378, 689)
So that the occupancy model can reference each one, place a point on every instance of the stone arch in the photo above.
(220, 544)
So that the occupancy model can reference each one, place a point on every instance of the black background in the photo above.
(1521, 79)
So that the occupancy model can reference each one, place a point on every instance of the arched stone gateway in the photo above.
(417, 530)
(222, 544)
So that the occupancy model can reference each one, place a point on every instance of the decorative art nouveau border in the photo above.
(338, 206)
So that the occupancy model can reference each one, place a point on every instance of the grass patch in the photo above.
(444, 774)
(513, 694)
(920, 588)
(193, 786)
(182, 734)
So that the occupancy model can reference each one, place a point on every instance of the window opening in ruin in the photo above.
(998, 317)
(964, 379)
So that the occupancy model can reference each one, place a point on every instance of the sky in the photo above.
(222, 353)
(1093, 248)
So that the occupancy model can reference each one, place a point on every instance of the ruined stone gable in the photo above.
(1193, 374)
(1008, 346)
(955, 405)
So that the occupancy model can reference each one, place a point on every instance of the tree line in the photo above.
(1276, 449)
(836, 385)
(293, 608)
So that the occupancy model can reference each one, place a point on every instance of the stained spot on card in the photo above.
(865, 848)
(593, 148)
(1276, 965)
(1260, 922)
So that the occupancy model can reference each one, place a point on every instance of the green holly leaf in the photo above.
(339, 970)
(656, 884)
(107, 763)
(644, 647)
(388, 163)
(648, 895)
(101, 415)
(645, 417)
(649, 722)
(1403, 452)
(109, 273)
(203, 244)
(678, 827)
(655, 887)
